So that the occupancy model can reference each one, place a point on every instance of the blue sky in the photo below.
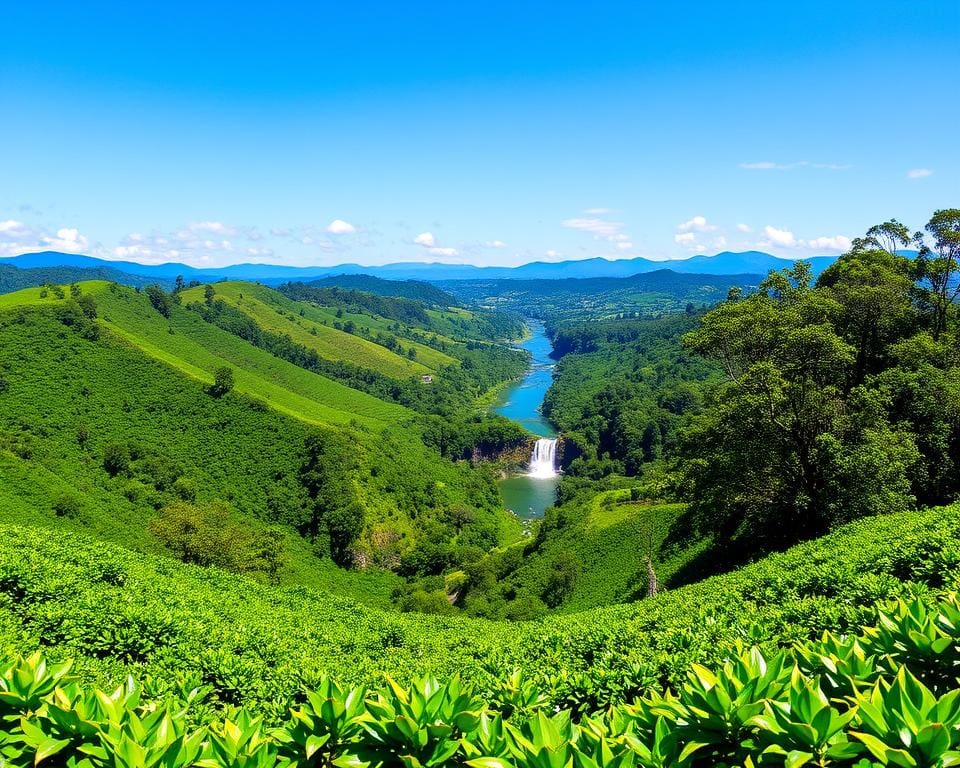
(491, 133)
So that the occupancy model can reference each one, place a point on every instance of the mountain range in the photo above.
(725, 263)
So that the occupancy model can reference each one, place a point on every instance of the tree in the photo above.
(938, 266)
(179, 284)
(562, 579)
(208, 294)
(66, 505)
(793, 443)
(209, 535)
(874, 291)
(333, 512)
(87, 305)
(222, 381)
(158, 299)
(116, 458)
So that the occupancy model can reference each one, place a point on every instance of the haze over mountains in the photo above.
(725, 263)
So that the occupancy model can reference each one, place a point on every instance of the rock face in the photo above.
(517, 460)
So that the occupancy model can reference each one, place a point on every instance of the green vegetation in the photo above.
(117, 612)
(108, 422)
(886, 697)
(599, 547)
(14, 278)
(652, 294)
(407, 289)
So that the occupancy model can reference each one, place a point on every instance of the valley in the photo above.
(238, 493)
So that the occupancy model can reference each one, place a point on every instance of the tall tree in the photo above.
(938, 265)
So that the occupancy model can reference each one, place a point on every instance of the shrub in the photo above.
(116, 459)
(66, 505)
(222, 381)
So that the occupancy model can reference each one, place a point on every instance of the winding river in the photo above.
(529, 494)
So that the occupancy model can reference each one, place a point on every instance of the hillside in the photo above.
(107, 421)
(314, 328)
(407, 289)
(252, 644)
(13, 278)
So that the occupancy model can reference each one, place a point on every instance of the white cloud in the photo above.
(784, 238)
(66, 239)
(919, 173)
(552, 254)
(429, 241)
(781, 237)
(213, 227)
(720, 242)
(598, 211)
(744, 228)
(494, 244)
(11, 229)
(624, 245)
(686, 239)
(599, 228)
(836, 243)
(340, 227)
(696, 224)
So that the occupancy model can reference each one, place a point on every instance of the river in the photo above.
(528, 495)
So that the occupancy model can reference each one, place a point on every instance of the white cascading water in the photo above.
(544, 458)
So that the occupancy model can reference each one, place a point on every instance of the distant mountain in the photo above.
(13, 278)
(726, 263)
(405, 289)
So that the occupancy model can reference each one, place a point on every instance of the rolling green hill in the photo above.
(134, 381)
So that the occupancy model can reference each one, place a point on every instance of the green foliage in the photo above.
(159, 299)
(116, 424)
(752, 709)
(222, 381)
(818, 421)
(119, 612)
(209, 535)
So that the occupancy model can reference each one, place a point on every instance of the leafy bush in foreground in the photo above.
(889, 696)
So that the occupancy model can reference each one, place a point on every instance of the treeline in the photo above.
(14, 278)
(841, 397)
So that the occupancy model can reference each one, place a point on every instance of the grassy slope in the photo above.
(274, 312)
(198, 349)
(258, 643)
(609, 538)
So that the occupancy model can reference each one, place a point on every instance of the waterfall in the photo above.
(543, 459)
